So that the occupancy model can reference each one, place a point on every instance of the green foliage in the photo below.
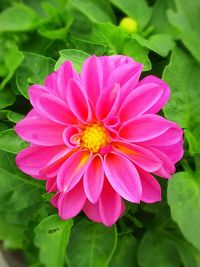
(183, 107)
(36, 37)
(51, 237)
(91, 244)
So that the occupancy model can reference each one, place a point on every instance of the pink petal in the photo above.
(93, 179)
(140, 101)
(72, 170)
(92, 77)
(151, 190)
(54, 200)
(65, 73)
(172, 136)
(40, 131)
(32, 159)
(51, 107)
(51, 83)
(108, 103)
(51, 185)
(144, 127)
(78, 101)
(167, 168)
(165, 96)
(174, 152)
(123, 177)
(53, 166)
(71, 203)
(109, 205)
(71, 136)
(92, 211)
(141, 156)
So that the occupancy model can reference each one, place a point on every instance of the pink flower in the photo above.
(96, 140)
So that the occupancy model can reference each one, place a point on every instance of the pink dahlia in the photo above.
(94, 137)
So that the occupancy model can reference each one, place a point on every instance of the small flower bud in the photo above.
(129, 25)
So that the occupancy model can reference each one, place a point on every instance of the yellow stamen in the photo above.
(94, 137)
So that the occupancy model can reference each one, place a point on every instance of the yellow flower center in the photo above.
(94, 137)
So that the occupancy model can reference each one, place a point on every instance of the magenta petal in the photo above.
(72, 170)
(54, 200)
(144, 127)
(32, 159)
(78, 101)
(123, 177)
(93, 179)
(51, 185)
(140, 101)
(174, 152)
(92, 211)
(109, 205)
(51, 83)
(65, 73)
(151, 190)
(51, 107)
(40, 131)
(172, 136)
(141, 156)
(165, 96)
(92, 78)
(167, 168)
(107, 103)
(71, 203)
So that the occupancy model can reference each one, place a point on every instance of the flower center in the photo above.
(94, 137)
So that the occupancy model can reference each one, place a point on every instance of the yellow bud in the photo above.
(129, 25)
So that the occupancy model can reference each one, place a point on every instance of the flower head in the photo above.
(96, 139)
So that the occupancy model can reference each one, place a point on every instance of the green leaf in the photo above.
(162, 44)
(7, 98)
(91, 244)
(159, 20)
(12, 59)
(11, 142)
(18, 18)
(12, 235)
(20, 195)
(186, 20)
(184, 199)
(95, 10)
(182, 74)
(156, 249)
(51, 238)
(14, 116)
(137, 9)
(74, 55)
(118, 42)
(33, 70)
(139, 53)
(126, 252)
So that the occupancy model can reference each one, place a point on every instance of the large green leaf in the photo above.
(91, 244)
(126, 252)
(182, 74)
(95, 10)
(157, 250)
(159, 20)
(33, 69)
(18, 18)
(7, 98)
(12, 59)
(51, 238)
(186, 20)
(20, 195)
(184, 199)
(11, 142)
(137, 9)
(74, 55)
